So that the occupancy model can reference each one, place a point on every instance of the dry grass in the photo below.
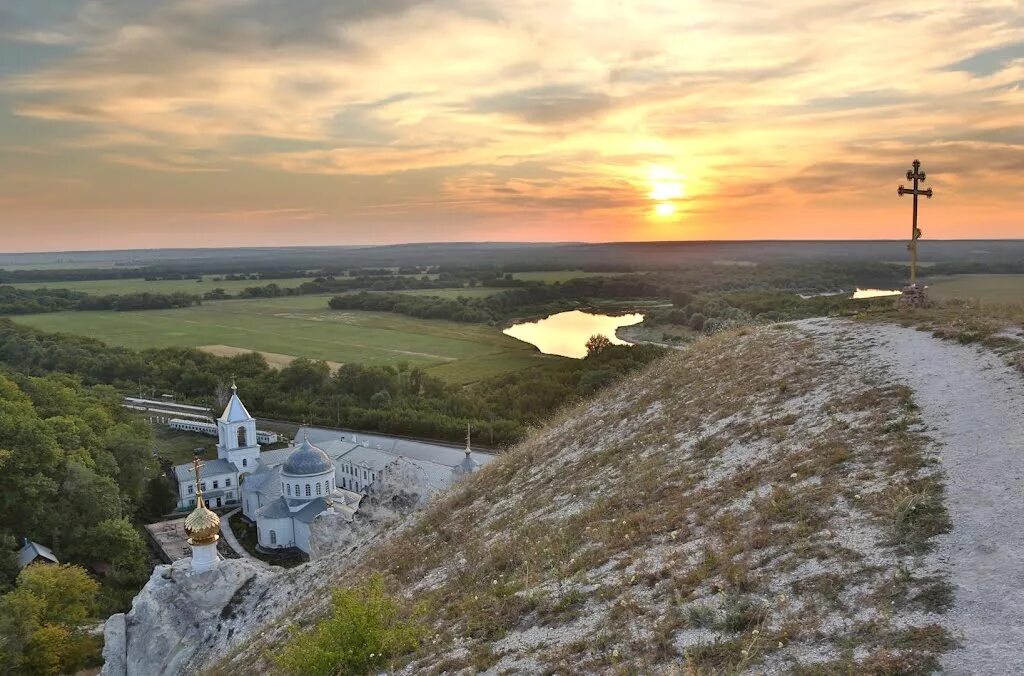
(751, 503)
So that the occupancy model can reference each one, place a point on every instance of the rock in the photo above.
(175, 616)
(115, 646)
(913, 297)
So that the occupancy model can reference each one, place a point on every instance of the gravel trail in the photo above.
(973, 406)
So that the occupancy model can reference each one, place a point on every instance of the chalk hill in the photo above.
(761, 500)
(768, 500)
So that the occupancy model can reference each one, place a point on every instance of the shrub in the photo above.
(366, 629)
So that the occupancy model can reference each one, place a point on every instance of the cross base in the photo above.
(913, 297)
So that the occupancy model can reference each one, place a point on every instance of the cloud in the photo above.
(421, 108)
(549, 104)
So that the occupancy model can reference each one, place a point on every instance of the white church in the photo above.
(328, 471)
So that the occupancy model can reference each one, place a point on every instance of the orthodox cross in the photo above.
(195, 470)
(917, 176)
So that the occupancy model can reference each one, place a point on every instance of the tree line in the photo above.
(396, 399)
(15, 301)
(534, 298)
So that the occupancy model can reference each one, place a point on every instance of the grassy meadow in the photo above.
(303, 326)
(984, 288)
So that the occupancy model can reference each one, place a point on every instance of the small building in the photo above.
(219, 484)
(33, 552)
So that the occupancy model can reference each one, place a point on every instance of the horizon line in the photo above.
(256, 247)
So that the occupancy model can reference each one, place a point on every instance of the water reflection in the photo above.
(875, 293)
(566, 333)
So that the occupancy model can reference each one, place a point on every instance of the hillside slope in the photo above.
(762, 500)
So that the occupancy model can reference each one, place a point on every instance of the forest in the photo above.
(531, 298)
(77, 475)
(15, 301)
(390, 399)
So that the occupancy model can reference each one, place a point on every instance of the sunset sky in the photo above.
(128, 124)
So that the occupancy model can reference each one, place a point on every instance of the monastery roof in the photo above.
(307, 460)
(235, 410)
(211, 468)
(265, 481)
(33, 550)
(467, 466)
(450, 456)
(301, 510)
(368, 458)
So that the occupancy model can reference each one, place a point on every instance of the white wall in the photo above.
(283, 529)
(302, 536)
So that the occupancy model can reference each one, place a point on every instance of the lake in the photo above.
(566, 333)
(875, 293)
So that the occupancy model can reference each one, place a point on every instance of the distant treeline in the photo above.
(397, 400)
(503, 304)
(15, 301)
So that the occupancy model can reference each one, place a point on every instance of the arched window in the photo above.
(308, 490)
(318, 488)
(289, 489)
(241, 438)
(273, 537)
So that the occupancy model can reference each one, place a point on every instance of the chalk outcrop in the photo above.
(168, 629)
(181, 619)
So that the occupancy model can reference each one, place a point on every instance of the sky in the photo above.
(135, 124)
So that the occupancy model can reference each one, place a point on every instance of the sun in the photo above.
(666, 188)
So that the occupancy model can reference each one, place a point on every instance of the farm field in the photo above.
(103, 287)
(986, 288)
(552, 276)
(303, 326)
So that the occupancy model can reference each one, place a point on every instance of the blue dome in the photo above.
(307, 460)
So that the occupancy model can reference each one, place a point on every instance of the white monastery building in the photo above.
(283, 491)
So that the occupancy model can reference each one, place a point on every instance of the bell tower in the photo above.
(236, 435)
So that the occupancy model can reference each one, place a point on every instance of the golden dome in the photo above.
(202, 525)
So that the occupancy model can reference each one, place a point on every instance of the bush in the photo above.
(365, 631)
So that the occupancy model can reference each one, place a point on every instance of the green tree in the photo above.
(40, 621)
(131, 448)
(366, 629)
(597, 343)
(158, 499)
(8, 561)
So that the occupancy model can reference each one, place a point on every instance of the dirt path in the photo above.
(973, 406)
(229, 535)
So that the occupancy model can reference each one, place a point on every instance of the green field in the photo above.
(303, 326)
(552, 276)
(986, 288)
(102, 287)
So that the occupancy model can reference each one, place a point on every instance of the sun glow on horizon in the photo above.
(666, 189)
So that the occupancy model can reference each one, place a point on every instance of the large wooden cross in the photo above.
(917, 176)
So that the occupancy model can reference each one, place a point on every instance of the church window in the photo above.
(190, 488)
(216, 483)
(308, 491)
(296, 490)
(289, 489)
(241, 437)
(318, 488)
(245, 461)
(202, 485)
(273, 537)
(227, 482)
